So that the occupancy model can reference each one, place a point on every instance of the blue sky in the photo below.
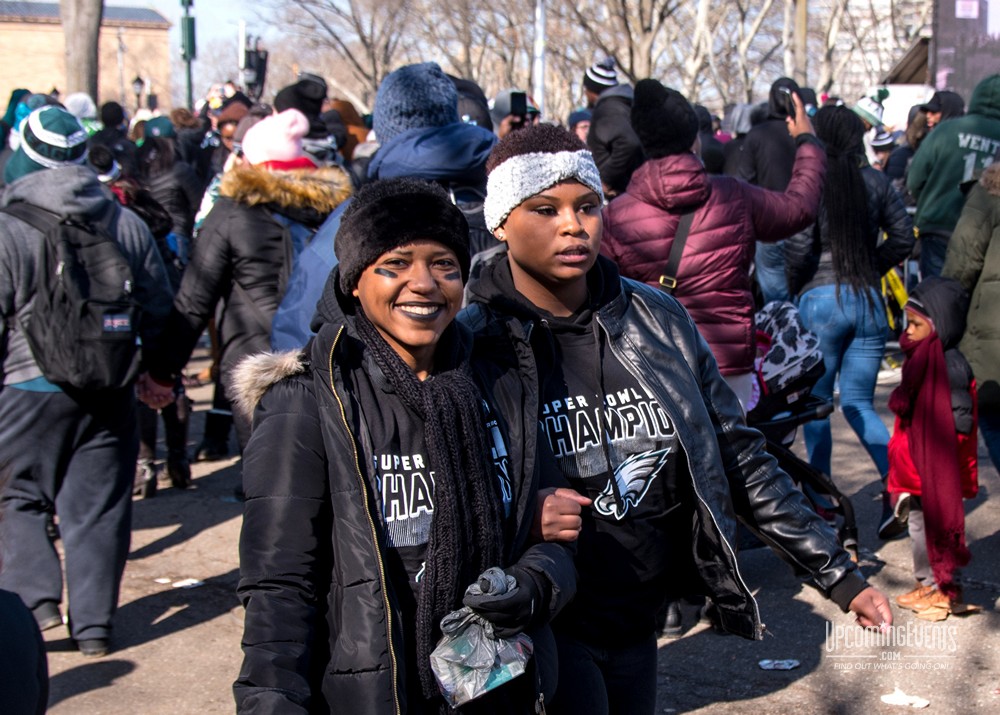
(214, 19)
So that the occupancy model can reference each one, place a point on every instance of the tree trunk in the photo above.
(81, 23)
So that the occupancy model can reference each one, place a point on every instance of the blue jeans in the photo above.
(989, 430)
(852, 337)
(595, 680)
(933, 247)
(769, 265)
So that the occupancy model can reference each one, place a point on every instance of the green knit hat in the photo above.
(51, 138)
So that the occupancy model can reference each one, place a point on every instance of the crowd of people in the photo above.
(454, 335)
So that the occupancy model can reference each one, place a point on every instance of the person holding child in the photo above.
(932, 452)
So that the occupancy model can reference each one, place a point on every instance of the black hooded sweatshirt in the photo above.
(768, 152)
(614, 444)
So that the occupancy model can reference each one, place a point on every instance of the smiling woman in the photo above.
(412, 294)
(379, 485)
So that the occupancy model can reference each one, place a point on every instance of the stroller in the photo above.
(789, 363)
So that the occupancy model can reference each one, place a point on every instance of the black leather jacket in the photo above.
(733, 476)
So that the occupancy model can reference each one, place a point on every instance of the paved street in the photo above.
(176, 649)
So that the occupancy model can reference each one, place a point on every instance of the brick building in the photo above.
(134, 43)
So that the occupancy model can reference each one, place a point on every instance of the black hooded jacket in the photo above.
(809, 256)
(242, 258)
(768, 152)
(323, 629)
(727, 472)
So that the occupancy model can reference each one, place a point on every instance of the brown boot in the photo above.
(908, 599)
(933, 599)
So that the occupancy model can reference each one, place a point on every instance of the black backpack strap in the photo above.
(668, 281)
(43, 219)
(34, 216)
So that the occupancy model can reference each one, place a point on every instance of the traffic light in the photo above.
(254, 71)
(188, 50)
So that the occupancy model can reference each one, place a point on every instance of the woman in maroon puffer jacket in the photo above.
(713, 277)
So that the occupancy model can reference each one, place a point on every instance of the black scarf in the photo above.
(466, 533)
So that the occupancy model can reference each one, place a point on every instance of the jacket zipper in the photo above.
(371, 525)
(759, 627)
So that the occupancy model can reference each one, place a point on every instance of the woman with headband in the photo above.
(643, 426)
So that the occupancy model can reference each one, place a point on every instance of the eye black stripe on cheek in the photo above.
(457, 276)
(385, 272)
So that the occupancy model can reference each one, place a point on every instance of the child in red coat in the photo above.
(932, 453)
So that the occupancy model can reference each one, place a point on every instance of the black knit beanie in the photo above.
(389, 213)
(664, 121)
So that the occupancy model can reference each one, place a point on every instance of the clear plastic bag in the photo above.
(470, 660)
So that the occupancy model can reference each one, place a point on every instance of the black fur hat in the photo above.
(389, 213)
(663, 120)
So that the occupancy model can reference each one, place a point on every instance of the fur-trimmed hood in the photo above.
(321, 190)
(990, 180)
(256, 373)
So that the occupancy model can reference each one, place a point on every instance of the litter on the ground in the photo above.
(898, 697)
(768, 664)
(162, 580)
(188, 583)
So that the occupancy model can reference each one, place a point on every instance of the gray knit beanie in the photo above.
(413, 96)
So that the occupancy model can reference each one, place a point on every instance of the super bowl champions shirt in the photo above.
(614, 444)
(402, 479)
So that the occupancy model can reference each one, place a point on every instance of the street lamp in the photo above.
(137, 85)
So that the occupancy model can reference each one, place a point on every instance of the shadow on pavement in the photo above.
(211, 502)
(686, 682)
(172, 610)
(86, 677)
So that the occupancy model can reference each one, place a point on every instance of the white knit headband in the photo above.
(522, 176)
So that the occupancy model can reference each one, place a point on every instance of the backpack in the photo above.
(83, 328)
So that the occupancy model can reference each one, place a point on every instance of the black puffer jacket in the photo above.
(733, 476)
(241, 257)
(179, 191)
(808, 260)
(323, 630)
(612, 140)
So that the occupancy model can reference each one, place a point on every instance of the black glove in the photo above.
(513, 611)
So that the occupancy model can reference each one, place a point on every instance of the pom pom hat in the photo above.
(390, 213)
(531, 160)
(276, 142)
(870, 108)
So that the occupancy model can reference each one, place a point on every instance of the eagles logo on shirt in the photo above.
(632, 480)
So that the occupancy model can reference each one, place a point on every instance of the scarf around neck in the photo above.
(466, 534)
(923, 403)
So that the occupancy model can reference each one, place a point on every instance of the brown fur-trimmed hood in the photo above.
(990, 180)
(256, 373)
(320, 189)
